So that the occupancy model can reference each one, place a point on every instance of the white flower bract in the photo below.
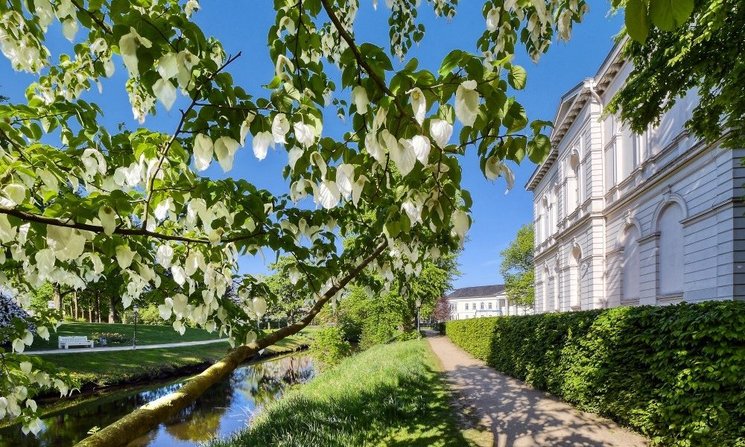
(467, 102)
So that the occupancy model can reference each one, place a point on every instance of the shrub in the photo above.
(675, 373)
(150, 315)
(112, 338)
(329, 346)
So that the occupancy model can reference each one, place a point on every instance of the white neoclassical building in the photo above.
(627, 219)
(481, 301)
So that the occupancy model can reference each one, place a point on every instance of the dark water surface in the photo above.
(224, 409)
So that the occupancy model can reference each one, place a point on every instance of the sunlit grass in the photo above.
(146, 334)
(113, 367)
(390, 395)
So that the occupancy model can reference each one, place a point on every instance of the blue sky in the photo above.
(240, 27)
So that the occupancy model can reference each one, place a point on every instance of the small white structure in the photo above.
(66, 342)
(627, 219)
(481, 301)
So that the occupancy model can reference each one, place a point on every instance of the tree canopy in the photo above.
(81, 202)
(703, 53)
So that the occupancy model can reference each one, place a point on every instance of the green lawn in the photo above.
(390, 395)
(145, 334)
(107, 368)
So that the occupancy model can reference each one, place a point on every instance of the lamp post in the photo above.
(134, 338)
(418, 305)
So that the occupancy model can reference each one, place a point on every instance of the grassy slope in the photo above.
(106, 368)
(390, 395)
(146, 335)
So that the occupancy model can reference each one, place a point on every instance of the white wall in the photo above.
(671, 197)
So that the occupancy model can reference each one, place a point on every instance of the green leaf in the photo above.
(637, 20)
(450, 62)
(670, 14)
(517, 77)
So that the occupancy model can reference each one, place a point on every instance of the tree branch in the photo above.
(150, 415)
(29, 217)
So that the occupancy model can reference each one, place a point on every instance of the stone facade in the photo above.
(627, 219)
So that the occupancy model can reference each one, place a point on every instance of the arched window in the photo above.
(630, 266)
(551, 293)
(670, 252)
(556, 296)
(575, 282)
(554, 210)
(482, 305)
(545, 291)
(573, 184)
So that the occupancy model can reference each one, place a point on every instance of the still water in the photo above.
(224, 409)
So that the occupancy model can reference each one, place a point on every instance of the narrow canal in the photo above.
(224, 409)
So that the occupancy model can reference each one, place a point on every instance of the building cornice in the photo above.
(580, 95)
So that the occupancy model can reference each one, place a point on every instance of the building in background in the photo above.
(481, 301)
(627, 219)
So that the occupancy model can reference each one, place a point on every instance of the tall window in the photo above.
(670, 253)
(482, 305)
(490, 305)
(573, 186)
(545, 219)
(554, 207)
(466, 306)
(545, 290)
(630, 266)
(626, 152)
(575, 283)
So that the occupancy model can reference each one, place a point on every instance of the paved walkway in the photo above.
(125, 348)
(518, 415)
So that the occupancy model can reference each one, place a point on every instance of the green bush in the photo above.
(675, 373)
(329, 346)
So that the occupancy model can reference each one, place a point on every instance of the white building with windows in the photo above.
(480, 301)
(627, 219)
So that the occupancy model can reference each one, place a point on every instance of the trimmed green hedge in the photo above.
(674, 373)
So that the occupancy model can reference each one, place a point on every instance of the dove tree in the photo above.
(80, 201)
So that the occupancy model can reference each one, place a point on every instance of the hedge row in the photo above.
(675, 373)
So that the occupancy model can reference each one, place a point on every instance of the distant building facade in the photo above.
(481, 301)
(628, 219)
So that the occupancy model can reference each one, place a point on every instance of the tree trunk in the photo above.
(113, 314)
(75, 305)
(96, 307)
(150, 415)
(57, 297)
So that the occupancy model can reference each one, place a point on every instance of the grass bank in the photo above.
(102, 369)
(388, 395)
(146, 334)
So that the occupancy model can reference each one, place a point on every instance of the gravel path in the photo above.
(124, 348)
(518, 415)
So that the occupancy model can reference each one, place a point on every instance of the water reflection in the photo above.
(222, 410)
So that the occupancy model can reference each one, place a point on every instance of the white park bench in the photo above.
(73, 341)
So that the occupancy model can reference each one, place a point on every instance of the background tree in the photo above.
(517, 268)
(289, 300)
(371, 317)
(698, 46)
